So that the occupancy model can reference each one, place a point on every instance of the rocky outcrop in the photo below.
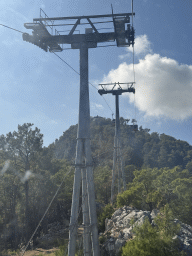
(119, 229)
(185, 237)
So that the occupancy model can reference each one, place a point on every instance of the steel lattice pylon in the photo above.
(117, 89)
(53, 42)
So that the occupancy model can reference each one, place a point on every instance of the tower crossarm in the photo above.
(125, 15)
(123, 32)
(116, 92)
(41, 37)
(116, 88)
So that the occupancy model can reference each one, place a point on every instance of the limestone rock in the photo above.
(120, 229)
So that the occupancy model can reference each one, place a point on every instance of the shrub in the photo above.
(107, 212)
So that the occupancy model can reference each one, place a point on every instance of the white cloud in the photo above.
(53, 122)
(163, 86)
(96, 107)
(142, 46)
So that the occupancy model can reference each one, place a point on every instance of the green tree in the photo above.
(102, 179)
(10, 193)
(142, 193)
(155, 188)
(129, 173)
(60, 210)
(24, 144)
(182, 202)
(107, 212)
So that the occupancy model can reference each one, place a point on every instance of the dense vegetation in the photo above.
(30, 175)
(142, 149)
(157, 168)
(156, 188)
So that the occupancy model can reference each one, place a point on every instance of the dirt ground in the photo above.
(38, 251)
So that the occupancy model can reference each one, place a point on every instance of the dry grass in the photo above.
(36, 252)
(39, 251)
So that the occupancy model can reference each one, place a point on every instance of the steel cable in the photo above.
(79, 75)
(64, 62)
(11, 28)
(45, 212)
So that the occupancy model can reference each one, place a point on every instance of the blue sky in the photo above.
(37, 87)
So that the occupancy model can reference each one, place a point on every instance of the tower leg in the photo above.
(83, 144)
(122, 166)
(75, 200)
(91, 199)
(86, 221)
(118, 166)
(115, 152)
(113, 170)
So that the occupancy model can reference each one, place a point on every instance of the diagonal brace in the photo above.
(74, 27)
(90, 22)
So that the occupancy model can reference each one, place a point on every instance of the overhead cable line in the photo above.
(133, 48)
(11, 28)
(108, 105)
(79, 75)
(72, 68)
(133, 63)
(45, 212)
(65, 62)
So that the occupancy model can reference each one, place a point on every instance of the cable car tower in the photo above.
(123, 35)
(117, 89)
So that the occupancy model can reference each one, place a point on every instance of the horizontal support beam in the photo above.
(79, 38)
(40, 34)
(116, 92)
(85, 17)
(118, 83)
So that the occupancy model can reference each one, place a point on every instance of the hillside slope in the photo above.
(141, 148)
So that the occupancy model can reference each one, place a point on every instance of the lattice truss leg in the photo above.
(84, 172)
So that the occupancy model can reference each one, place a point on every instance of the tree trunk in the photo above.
(27, 221)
